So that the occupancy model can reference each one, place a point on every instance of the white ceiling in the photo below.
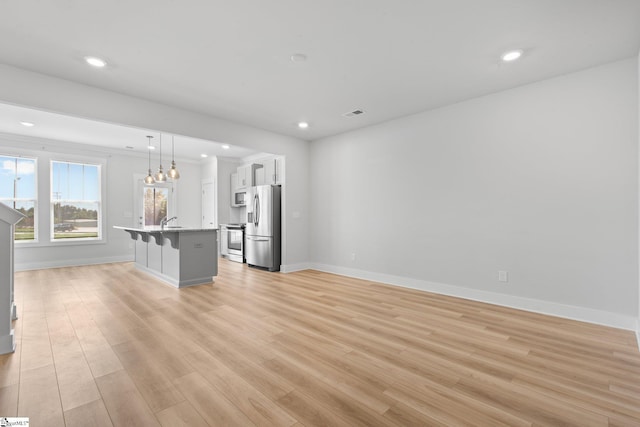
(231, 59)
(133, 140)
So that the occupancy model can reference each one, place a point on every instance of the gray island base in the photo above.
(180, 257)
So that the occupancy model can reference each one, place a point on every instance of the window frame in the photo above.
(138, 198)
(100, 202)
(36, 228)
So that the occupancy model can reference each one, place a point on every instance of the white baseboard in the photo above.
(172, 281)
(40, 265)
(584, 314)
(295, 267)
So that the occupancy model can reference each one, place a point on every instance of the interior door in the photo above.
(208, 205)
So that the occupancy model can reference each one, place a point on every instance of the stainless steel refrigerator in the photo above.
(262, 234)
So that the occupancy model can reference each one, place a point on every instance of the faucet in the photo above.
(164, 221)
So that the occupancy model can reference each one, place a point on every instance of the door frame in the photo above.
(138, 199)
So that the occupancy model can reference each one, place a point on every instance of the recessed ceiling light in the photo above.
(95, 62)
(303, 125)
(204, 156)
(27, 124)
(225, 147)
(511, 55)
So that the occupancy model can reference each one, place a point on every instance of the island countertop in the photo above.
(167, 229)
(180, 256)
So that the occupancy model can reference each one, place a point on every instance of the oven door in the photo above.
(235, 244)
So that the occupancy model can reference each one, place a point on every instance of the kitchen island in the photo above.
(179, 256)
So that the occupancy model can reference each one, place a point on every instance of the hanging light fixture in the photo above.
(173, 172)
(149, 178)
(160, 176)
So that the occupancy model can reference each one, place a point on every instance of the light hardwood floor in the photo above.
(107, 345)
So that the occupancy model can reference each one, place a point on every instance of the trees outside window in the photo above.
(156, 205)
(76, 207)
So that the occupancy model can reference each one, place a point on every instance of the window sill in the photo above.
(74, 242)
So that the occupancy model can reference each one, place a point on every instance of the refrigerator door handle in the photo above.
(257, 210)
(255, 239)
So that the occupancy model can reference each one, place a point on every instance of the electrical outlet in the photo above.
(353, 256)
(503, 276)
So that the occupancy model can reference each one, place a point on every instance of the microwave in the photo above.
(238, 198)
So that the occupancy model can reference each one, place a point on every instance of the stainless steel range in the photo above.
(232, 241)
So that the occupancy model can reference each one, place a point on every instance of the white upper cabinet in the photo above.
(246, 175)
(271, 172)
(265, 171)
(241, 176)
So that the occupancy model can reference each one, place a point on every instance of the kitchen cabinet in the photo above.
(224, 241)
(238, 195)
(241, 177)
(245, 175)
(179, 256)
(271, 172)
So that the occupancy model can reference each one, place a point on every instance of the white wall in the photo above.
(62, 96)
(540, 181)
(117, 202)
(227, 213)
(219, 169)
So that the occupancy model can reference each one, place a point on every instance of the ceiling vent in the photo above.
(353, 113)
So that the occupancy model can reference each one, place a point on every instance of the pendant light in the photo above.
(149, 178)
(160, 176)
(173, 172)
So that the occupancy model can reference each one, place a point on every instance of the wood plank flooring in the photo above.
(107, 345)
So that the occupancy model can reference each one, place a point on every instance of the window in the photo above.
(18, 191)
(76, 211)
